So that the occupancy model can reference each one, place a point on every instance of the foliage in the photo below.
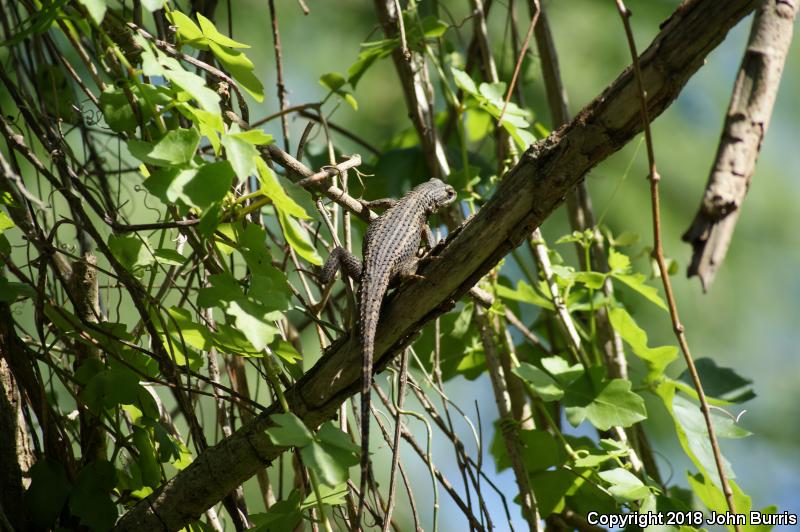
(210, 288)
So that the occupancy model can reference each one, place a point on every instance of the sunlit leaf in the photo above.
(177, 147)
(96, 8)
(657, 358)
(242, 155)
(526, 294)
(636, 281)
(604, 403)
(271, 187)
(624, 485)
(542, 384)
(241, 68)
(298, 238)
(212, 34)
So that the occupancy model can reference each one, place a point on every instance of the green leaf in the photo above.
(329, 471)
(117, 110)
(493, 92)
(624, 485)
(720, 382)
(539, 450)
(271, 290)
(463, 321)
(691, 429)
(332, 81)
(252, 317)
(90, 499)
(618, 263)
(185, 330)
(229, 340)
(177, 147)
(464, 82)
(241, 154)
(559, 368)
(542, 384)
(211, 33)
(153, 5)
(256, 137)
(433, 28)
(287, 352)
(116, 107)
(330, 456)
(96, 8)
(131, 251)
(194, 187)
(298, 238)
(657, 358)
(289, 431)
(254, 321)
(50, 487)
(187, 29)
(592, 280)
(11, 291)
(271, 187)
(155, 63)
(283, 515)
(241, 68)
(636, 282)
(524, 293)
(329, 495)
(110, 388)
(688, 414)
(371, 51)
(711, 495)
(478, 125)
(169, 257)
(147, 459)
(550, 488)
(605, 404)
(252, 244)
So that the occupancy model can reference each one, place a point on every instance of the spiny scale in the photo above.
(390, 251)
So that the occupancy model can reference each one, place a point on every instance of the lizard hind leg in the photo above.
(342, 259)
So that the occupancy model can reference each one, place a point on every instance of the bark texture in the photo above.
(745, 126)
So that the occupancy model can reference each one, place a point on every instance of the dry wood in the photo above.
(746, 124)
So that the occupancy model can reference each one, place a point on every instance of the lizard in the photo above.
(390, 251)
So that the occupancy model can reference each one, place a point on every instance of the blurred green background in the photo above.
(750, 319)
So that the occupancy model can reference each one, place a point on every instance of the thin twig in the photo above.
(276, 42)
(520, 58)
(658, 254)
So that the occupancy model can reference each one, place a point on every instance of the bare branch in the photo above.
(746, 125)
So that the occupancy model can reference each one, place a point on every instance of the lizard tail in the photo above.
(371, 295)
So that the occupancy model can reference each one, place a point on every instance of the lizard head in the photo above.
(437, 193)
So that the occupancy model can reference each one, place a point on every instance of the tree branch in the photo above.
(746, 124)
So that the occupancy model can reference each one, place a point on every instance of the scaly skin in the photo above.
(390, 252)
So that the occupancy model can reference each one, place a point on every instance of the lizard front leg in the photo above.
(383, 203)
